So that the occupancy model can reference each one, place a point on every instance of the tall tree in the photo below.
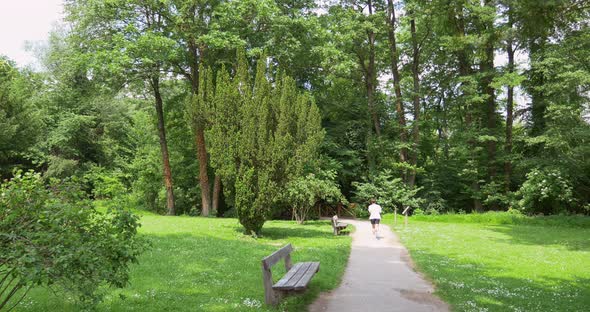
(468, 97)
(538, 21)
(155, 85)
(370, 70)
(131, 37)
(416, 91)
(359, 25)
(394, 57)
(510, 51)
(189, 22)
(488, 18)
(207, 33)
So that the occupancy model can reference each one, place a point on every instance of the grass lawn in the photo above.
(502, 267)
(208, 264)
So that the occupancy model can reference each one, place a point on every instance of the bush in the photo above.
(388, 191)
(435, 203)
(304, 193)
(545, 191)
(230, 213)
(432, 212)
(53, 236)
(251, 206)
(359, 211)
(427, 212)
(106, 184)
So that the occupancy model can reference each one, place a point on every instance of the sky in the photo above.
(23, 21)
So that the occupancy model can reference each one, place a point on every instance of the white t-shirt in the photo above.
(375, 211)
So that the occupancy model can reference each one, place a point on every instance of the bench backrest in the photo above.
(334, 221)
(276, 256)
(284, 253)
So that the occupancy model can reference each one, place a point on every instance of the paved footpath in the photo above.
(379, 277)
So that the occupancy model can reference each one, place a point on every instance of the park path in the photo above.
(379, 277)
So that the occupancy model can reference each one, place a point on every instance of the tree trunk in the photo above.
(538, 105)
(371, 104)
(371, 78)
(164, 147)
(216, 192)
(416, 100)
(456, 15)
(487, 69)
(477, 205)
(509, 112)
(396, 79)
(194, 56)
(203, 176)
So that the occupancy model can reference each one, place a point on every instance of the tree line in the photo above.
(265, 108)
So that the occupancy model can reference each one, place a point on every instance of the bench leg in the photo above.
(271, 297)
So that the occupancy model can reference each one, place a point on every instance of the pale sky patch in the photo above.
(23, 21)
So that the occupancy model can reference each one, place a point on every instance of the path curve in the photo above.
(379, 277)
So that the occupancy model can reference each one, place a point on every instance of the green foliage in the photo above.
(53, 236)
(250, 208)
(59, 167)
(305, 192)
(270, 135)
(145, 168)
(547, 192)
(389, 192)
(429, 211)
(108, 186)
(359, 211)
(144, 171)
(20, 119)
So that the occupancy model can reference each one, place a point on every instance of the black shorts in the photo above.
(375, 221)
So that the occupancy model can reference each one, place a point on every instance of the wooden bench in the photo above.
(338, 226)
(295, 280)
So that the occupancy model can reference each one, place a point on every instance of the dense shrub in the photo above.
(270, 136)
(388, 191)
(53, 236)
(545, 191)
(251, 209)
(360, 211)
(305, 192)
(106, 184)
(434, 203)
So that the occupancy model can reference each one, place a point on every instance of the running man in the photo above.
(375, 217)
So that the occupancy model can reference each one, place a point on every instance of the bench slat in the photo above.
(311, 271)
(296, 276)
(288, 284)
(283, 281)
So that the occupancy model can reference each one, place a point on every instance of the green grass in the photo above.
(208, 264)
(490, 267)
(493, 217)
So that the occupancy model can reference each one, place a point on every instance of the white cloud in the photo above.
(24, 21)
